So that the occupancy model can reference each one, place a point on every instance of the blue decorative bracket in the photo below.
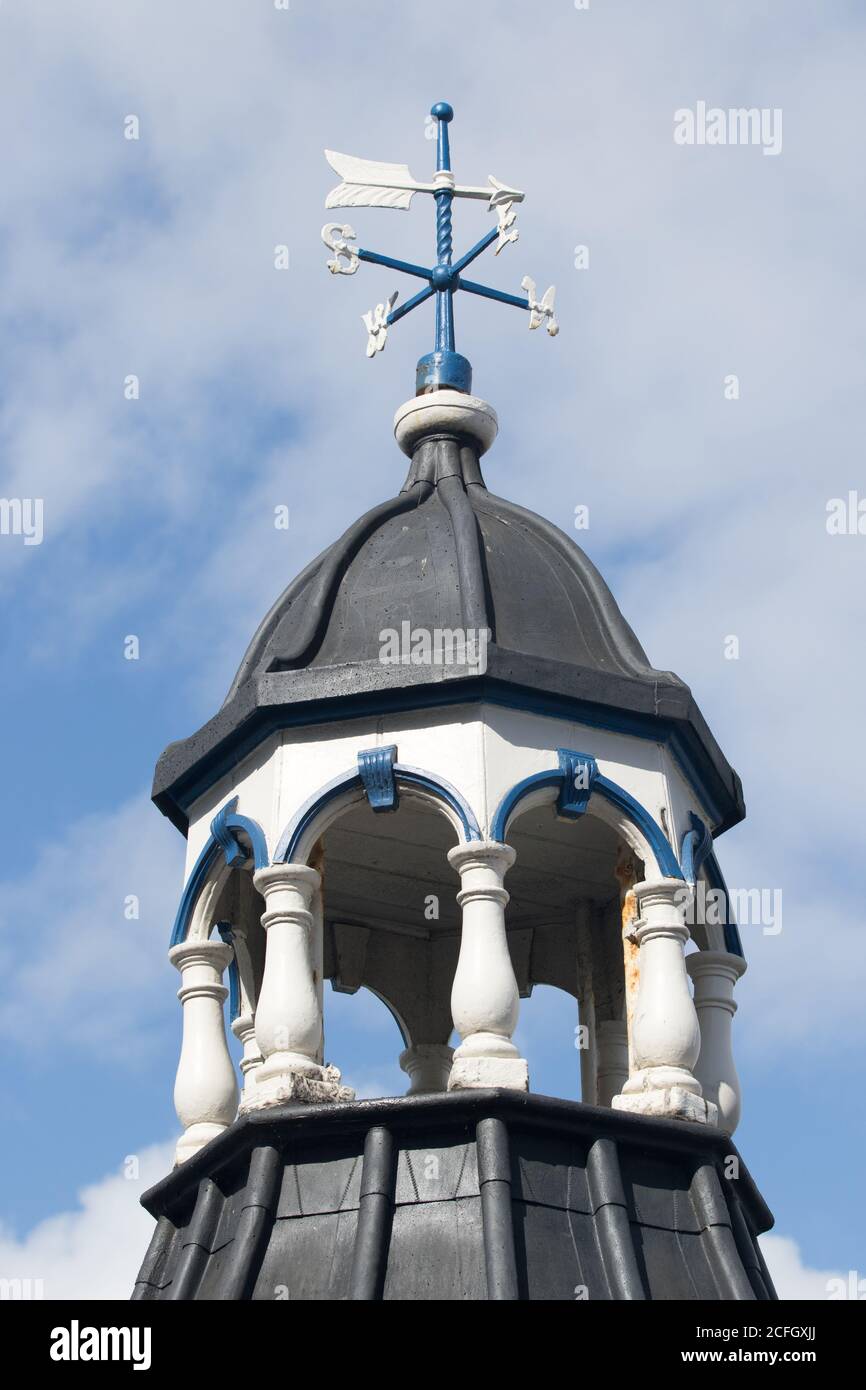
(223, 840)
(579, 774)
(367, 183)
(376, 770)
(696, 845)
(223, 827)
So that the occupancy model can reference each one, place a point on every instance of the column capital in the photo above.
(661, 908)
(482, 854)
(301, 876)
(211, 955)
(721, 965)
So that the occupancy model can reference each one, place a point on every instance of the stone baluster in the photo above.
(665, 1038)
(428, 1066)
(244, 1026)
(484, 998)
(611, 1060)
(289, 1014)
(205, 1091)
(714, 974)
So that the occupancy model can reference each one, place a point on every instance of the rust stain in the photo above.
(626, 873)
(317, 859)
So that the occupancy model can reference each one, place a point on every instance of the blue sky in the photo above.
(707, 516)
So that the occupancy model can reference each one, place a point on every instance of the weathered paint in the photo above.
(626, 873)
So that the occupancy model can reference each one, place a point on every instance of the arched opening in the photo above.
(568, 891)
(391, 927)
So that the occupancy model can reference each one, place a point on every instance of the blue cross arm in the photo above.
(499, 295)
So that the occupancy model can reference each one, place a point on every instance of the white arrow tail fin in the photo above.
(368, 183)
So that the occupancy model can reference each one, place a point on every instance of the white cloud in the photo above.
(96, 1250)
(791, 1277)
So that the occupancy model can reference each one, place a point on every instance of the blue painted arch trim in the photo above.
(225, 931)
(310, 811)
(223, 840)
(601, 786)
(404, 776)
(696, 853)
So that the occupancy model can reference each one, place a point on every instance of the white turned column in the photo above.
(665, 1038)
(288, 1014)
(428, 1066)
(714, 974)
(244, 1026)
(611, 1060)
(484, 998)
(205, 1090)
(244, 1029)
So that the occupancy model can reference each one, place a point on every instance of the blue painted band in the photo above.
(402, 699)
(439, 370)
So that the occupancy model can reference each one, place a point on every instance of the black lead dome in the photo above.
(447, 554)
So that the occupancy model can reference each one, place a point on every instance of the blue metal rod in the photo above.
(410, 304)
(406, 266)
(499, 295)
(444, 243)
(479, 246)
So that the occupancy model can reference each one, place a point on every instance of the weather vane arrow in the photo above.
(367, 183)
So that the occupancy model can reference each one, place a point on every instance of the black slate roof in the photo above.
(446, 553)
(469, 1196)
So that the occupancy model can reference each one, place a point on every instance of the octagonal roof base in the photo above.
(483, 1194)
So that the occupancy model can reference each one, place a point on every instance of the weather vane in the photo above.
(366, 183)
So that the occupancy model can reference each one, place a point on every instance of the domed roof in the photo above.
(446, 555)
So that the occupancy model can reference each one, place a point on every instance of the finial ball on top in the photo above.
(442, 111)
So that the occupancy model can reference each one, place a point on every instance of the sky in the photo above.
(155, 258)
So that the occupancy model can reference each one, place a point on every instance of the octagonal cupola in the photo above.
(447, 772)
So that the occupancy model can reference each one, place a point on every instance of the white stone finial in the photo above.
(445, 412)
